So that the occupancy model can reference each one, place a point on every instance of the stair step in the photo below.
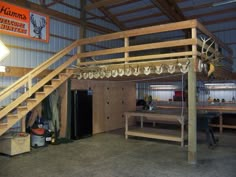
(3, 124)
(30, 100)
(63, 75)
(46, 87)
(12, 116)
(55, 81)
(70, 70)
(22, 108)
(39, 94)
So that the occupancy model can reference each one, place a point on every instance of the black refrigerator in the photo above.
(81, 114)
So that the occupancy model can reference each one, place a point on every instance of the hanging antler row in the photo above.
(106, 72)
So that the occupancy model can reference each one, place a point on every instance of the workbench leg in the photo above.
(23, 128)
(182, 134)
(126, 127)
(221, 123)
(141, 123)
(153, 124)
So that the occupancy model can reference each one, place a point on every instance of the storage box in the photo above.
(13, 144)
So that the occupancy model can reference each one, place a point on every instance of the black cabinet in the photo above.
(81, 113)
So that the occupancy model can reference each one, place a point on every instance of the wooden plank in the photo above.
(153, 135)
(110, 15)
(63, 93)
(142, 31)
(156, 45)
(101, 3)
(126, 44)
(141, 59)
(223, 126)
(155, 116)
(170, 9)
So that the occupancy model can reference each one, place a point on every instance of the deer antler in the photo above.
(42, 22)
(204, 54)
(33, 21)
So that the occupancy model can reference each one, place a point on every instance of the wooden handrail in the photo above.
(32, 74)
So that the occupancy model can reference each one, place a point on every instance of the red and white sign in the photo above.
(22, 22)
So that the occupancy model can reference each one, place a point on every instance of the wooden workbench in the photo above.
(164, 116)
(221, 109)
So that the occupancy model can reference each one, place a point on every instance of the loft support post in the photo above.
(192, 114)
(82, 29)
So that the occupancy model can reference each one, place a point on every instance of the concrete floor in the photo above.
(110, 155)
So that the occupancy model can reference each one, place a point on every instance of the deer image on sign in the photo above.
(37, 26)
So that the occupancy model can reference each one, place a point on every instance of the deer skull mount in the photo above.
(38, 27)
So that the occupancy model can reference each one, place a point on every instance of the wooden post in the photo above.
(82, 29)
(126, 125)
(192, 131)
(221, 123)
(126, 45)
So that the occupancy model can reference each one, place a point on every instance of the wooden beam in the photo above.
(101, 3)
(94, 16)
(216, 21)
(129, 11)
(12, 71)
(171, 57)
(53, 3)
(122, 3)
(143, 17)
(174, 43)
(83, 26)
(192, 113)
(32, 49)
(170, 9)
(218, 12)
(109, 15)
(58, 15)
(201, 6)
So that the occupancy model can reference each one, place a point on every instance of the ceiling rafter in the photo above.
(53, 3)
(201, 6)
(219, 12)
(89, 13)
(101, 3)
(170, 9)
(142, 17)
(110, 16)
(134, 10)
(122, 3)
(188, 17)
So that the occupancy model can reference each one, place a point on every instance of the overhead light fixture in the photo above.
(163, 87)
(223, 3)
(4, 51)
(220, 84)
(2, 69)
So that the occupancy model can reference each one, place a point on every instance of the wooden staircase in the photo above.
(36, 92)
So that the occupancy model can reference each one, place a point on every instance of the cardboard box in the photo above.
(13, 144)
